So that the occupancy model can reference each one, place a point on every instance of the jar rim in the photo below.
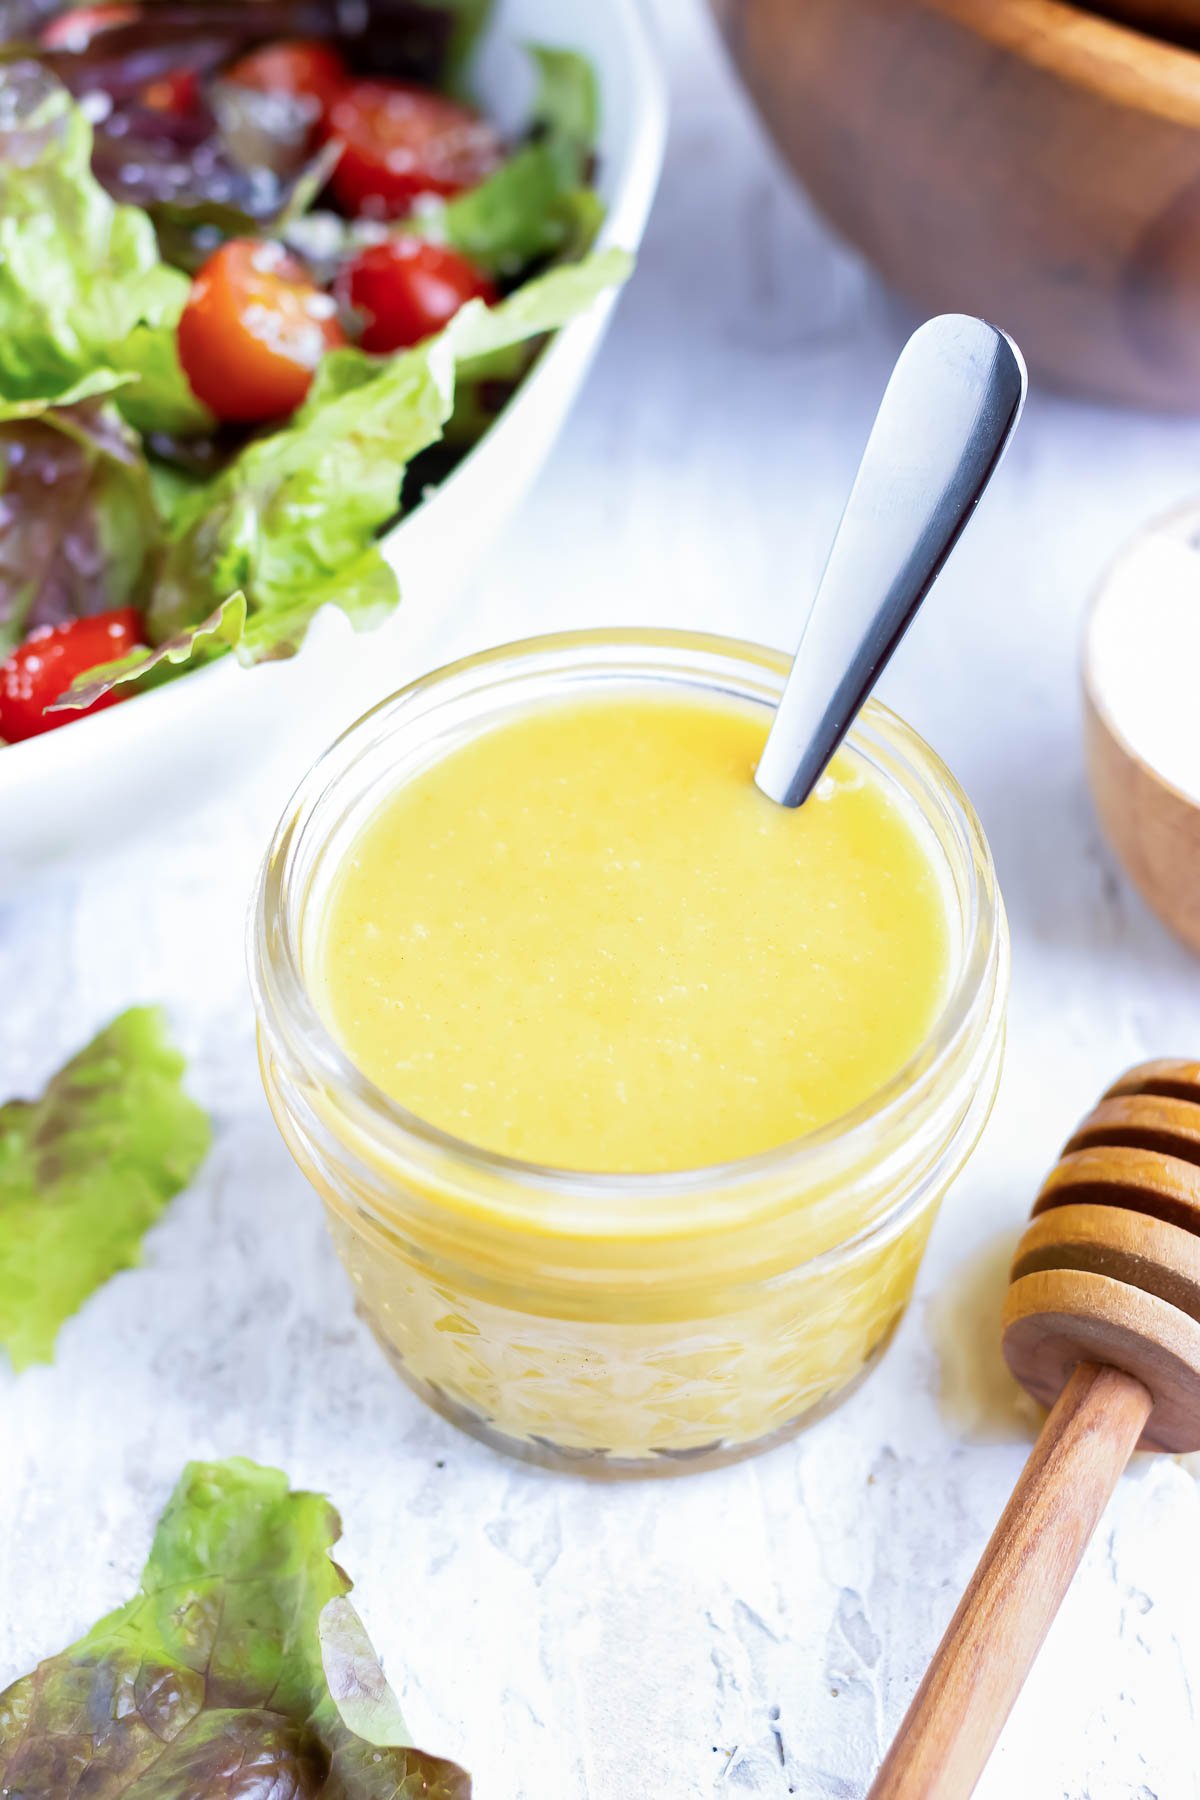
(288, 1010)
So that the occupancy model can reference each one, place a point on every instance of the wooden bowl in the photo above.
(1141, 714)
(1176, 20)
(1023, 159)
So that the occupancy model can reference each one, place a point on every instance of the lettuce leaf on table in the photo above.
(84, 1172)
(240, 1670)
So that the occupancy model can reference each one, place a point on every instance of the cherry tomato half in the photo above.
(299, 66)
(46, 664)
(75, 29)
(407, 289)
(178, 91)
(253, 331)
(399, 141)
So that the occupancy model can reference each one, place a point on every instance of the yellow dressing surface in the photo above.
(585, 939)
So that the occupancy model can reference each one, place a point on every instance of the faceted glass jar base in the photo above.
(599, 1464)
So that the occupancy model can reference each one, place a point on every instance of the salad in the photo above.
(265, 275)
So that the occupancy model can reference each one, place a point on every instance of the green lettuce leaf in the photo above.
(492, 363)
(79, 525)
(78, 273)
(239, 1671)
(222, 630)
(517, 216)
(292, 521)
(480, 332)
(97, 385)
(470, 17)
(566, 108)
(156, 396)
(538, 204)
(174, 488)
(84, 1172)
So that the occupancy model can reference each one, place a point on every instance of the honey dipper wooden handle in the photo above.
(990, 1644)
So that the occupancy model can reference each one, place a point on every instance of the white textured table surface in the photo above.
(756, 1631)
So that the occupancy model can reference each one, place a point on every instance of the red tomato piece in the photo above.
(400, 141)
(300, 66)
(253, 331)
(178, 91)
(75, 29)
(46, 664)
(407, 289)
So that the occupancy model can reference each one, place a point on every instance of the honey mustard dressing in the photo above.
(585, 939)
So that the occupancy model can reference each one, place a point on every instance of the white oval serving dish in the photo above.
(104, 778)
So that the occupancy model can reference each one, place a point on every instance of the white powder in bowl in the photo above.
(1143, 656)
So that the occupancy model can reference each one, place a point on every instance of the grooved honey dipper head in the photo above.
(1109, 1270)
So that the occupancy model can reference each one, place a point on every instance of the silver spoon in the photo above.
(947, 413)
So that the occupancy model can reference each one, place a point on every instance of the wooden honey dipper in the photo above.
(1101, 1324)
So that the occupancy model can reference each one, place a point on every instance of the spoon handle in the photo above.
(947, 414)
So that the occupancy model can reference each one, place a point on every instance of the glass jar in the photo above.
(622, 1322)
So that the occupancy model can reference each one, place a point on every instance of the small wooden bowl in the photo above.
(1023, 159)
(1149, 813)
